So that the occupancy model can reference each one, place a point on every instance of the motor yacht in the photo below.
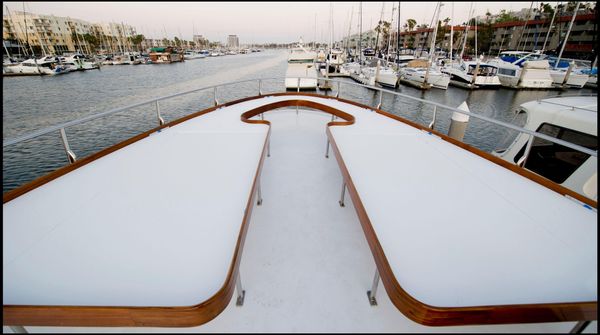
(472, 74)
(44, 66)
(79, 62)
(192, 54)
(532, 74)
(8, 62)
(575, 79)
(572, 118)
(301, 71)
(249, 232)
(519, 57)
(369, 52)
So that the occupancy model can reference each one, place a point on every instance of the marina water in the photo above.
(34, 103)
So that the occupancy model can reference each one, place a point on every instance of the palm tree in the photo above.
(488, 16)
(137, 40)
(92, 41)
(383, 28)
(411, 24)
(546, 8)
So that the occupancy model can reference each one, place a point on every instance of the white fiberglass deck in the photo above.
(134, 228)
(451, 224)
(461, 231)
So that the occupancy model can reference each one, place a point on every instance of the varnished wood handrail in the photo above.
(451, 316)
(188, 316)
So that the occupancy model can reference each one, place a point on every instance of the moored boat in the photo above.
(33, 66)
(472, 74)
(533, 74)
(301, 71)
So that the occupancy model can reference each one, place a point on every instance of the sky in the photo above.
(255, 22)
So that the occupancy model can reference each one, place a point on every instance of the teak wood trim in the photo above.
(454, 316)
(189, 316)
(129, 316)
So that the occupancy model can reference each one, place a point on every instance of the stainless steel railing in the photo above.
(71, 156)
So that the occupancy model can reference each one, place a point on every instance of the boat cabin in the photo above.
(573, 119)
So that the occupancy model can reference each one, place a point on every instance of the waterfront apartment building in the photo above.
(420, 38)
(530, 35)
(368, 40)
(233, 42)
(200, 41)
(527, 35)
(49, 34)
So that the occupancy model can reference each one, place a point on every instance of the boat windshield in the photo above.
(306, 60)
(510, 135)
(484, 70)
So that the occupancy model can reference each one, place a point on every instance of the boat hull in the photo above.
(575, 80)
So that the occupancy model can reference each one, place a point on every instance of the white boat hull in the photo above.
(305, 83)
(461, 78)
(387, 78)
(576, 80)
(435, 79)
(533, 74)
(307, 72)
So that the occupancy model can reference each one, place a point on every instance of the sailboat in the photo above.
(423, 74)
(47, 65)
(569, 76)
(472, 74)
(386, 75)
(354, 69)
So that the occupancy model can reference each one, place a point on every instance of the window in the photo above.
(507, 72)
(554, 161)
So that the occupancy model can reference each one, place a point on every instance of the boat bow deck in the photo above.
(161, 222)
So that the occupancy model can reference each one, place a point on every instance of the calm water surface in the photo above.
(33, 103)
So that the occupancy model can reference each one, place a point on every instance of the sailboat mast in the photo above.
(398, 35)
(330, 26)
(21, 46)
(524, 27)
(549, 29)
(315, 40)
(562, 48)
(462, 50)
(360, 35)
(451, 31)
(379, 26)
(5, 49)
(118, 38)
(387, 51)
(27, 32)
(435, 29)
(349, 29)
(475, 37)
